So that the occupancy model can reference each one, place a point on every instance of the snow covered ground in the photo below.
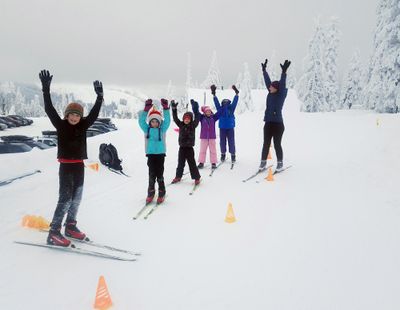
(324, 235)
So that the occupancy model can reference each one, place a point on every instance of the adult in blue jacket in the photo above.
(154, 126)
(226, 110)
(274, 126)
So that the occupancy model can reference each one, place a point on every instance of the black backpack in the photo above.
(108, 156)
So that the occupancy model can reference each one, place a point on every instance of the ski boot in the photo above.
(200, 166)
(279, 166)
(213, 166)
(263, 164)
(150, 196)
(176, 180)
(56, 238)
(233, 158)
(197, 182)
(161, 196)
(223, 157)
(73, 232)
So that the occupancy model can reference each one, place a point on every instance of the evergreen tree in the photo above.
(382, 91)
(246, 101)
(214, 75)
(352, 87)
(330, 56)
(310, 88)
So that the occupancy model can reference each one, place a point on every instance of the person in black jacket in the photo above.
(187, 131)
(71, 136)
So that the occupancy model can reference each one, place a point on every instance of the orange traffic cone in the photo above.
(270, 176)
(230, 216)
(94, 166)
(103, 298)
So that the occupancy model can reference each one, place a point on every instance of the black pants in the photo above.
(155, 162)
(187, 154)
(273, 130)
(71, 178)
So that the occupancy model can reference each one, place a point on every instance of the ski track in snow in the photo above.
(323, 235)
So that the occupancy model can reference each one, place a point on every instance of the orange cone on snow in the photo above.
(94, 166)
(270, 176)
(103, 298)
(230, 216)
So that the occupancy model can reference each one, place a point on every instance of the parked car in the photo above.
(103, 128)
(48, 141)
(91, 132)
(4, 121)
(107, 122)
(3, 126)
(15, 138)
(22, 119)
(6, 147)
(26, 140)
(50, 134)
(13, 121)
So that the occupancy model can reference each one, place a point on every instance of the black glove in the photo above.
(235, 89)
(174, 104)
(213, 89)
(148, 104)
(195, 105)
(264, 65)
(285, 66)
(98, 88)
(45, 78)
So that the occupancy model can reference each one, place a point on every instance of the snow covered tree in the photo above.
(330, 56)
(260, 81)
(272, 67)
(291, 77)
(246, 101)
(189, 80)
(214, 75)
(352, 86)
(382, 91)
(311, 87)
(239, 80)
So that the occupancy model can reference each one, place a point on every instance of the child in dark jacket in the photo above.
(71, 136)
(187, 131)
(207, 136)
(154, 129)
(226, 111)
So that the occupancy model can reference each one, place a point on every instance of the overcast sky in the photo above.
(146, 42)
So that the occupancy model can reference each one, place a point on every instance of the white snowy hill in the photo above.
(324, 234)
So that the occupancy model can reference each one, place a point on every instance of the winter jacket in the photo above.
(155, 137)
(208, 125)
(186, 132)
(226, 112)
(71, 138)
(274, 105)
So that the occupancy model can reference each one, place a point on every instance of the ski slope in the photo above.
(324, 234)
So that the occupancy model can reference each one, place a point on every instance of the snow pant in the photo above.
(273, 130)
(227, 135)
(204, 144)
(71, 178)
(187, 154)
(155, 162)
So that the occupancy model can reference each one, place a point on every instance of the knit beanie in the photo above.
(275, 84)
(155, 114)
(73, 107)
(205, 108)
(188, 115)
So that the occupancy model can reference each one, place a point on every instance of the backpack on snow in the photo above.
(108, 156)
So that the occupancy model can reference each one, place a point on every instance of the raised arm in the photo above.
(174, 106)
(51, 112)
(267, 79)
(195, 109)
(167, 116)
(284, 68)
(94, 112)
(143, 115)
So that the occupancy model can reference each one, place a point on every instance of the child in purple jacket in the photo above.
(207, 136)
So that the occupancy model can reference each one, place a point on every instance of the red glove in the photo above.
(164, 103)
